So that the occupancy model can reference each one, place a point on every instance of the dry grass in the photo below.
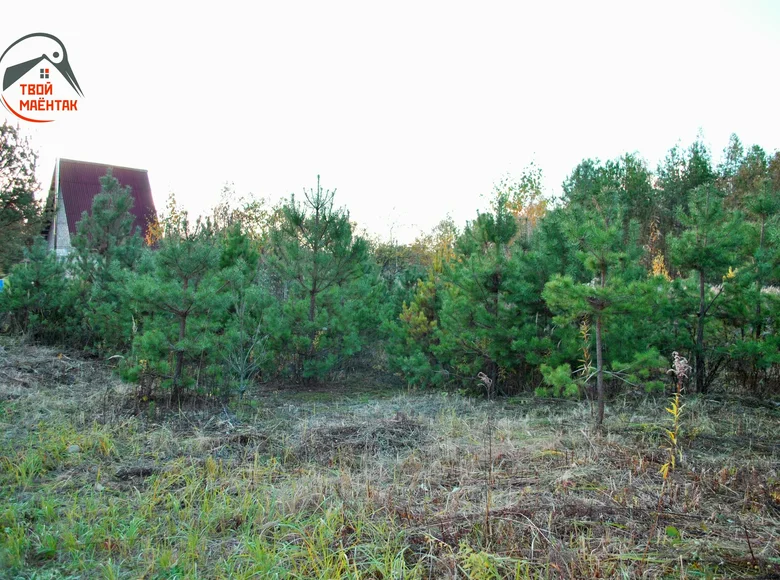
(335, 483)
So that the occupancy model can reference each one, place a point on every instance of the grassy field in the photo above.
(356, 481)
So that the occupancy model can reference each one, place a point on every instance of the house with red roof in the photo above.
(73, 187)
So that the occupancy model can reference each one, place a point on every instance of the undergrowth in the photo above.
(332, 484)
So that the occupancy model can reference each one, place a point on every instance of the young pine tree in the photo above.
(611, 295)
(106, 251)
(320, 266)
(179, 302)
(709, 248)
(38, 297)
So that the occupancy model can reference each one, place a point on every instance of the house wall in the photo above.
(62, 245)
(50, 233)
(50, 238)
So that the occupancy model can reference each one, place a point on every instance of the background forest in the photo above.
(579, 296)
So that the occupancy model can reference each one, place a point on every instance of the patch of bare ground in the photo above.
(361, 482)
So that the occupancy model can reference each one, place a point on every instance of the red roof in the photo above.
(80, 183)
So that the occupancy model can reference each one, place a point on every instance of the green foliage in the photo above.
(646, 369)
(38, 297)
(614, 292)
(709, 246)
(478, 311)
(251, 313)
(558, 382)
(20, 213)
(179, 302)
(477, 314)
(105, 233)
(747, 312)
(414, 336)
(585, 295)
(106, 252)
(237, 246)
(326, 284)
(712, 236)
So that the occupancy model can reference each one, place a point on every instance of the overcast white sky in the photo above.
(411, 110)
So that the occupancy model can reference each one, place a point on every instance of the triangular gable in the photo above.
(79, 183)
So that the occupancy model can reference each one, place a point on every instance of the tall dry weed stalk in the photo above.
(681, 371)
(488, 382)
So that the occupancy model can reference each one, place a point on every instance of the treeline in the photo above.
(577, 296)
(596, 292)
(210, 304)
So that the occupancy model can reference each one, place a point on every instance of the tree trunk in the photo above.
(314, 286)
(179, 358)
(759, 283)
(494, 369)
(599, 374)
(600, 358)
(701, 385)
(312, 305)
(180, 352)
